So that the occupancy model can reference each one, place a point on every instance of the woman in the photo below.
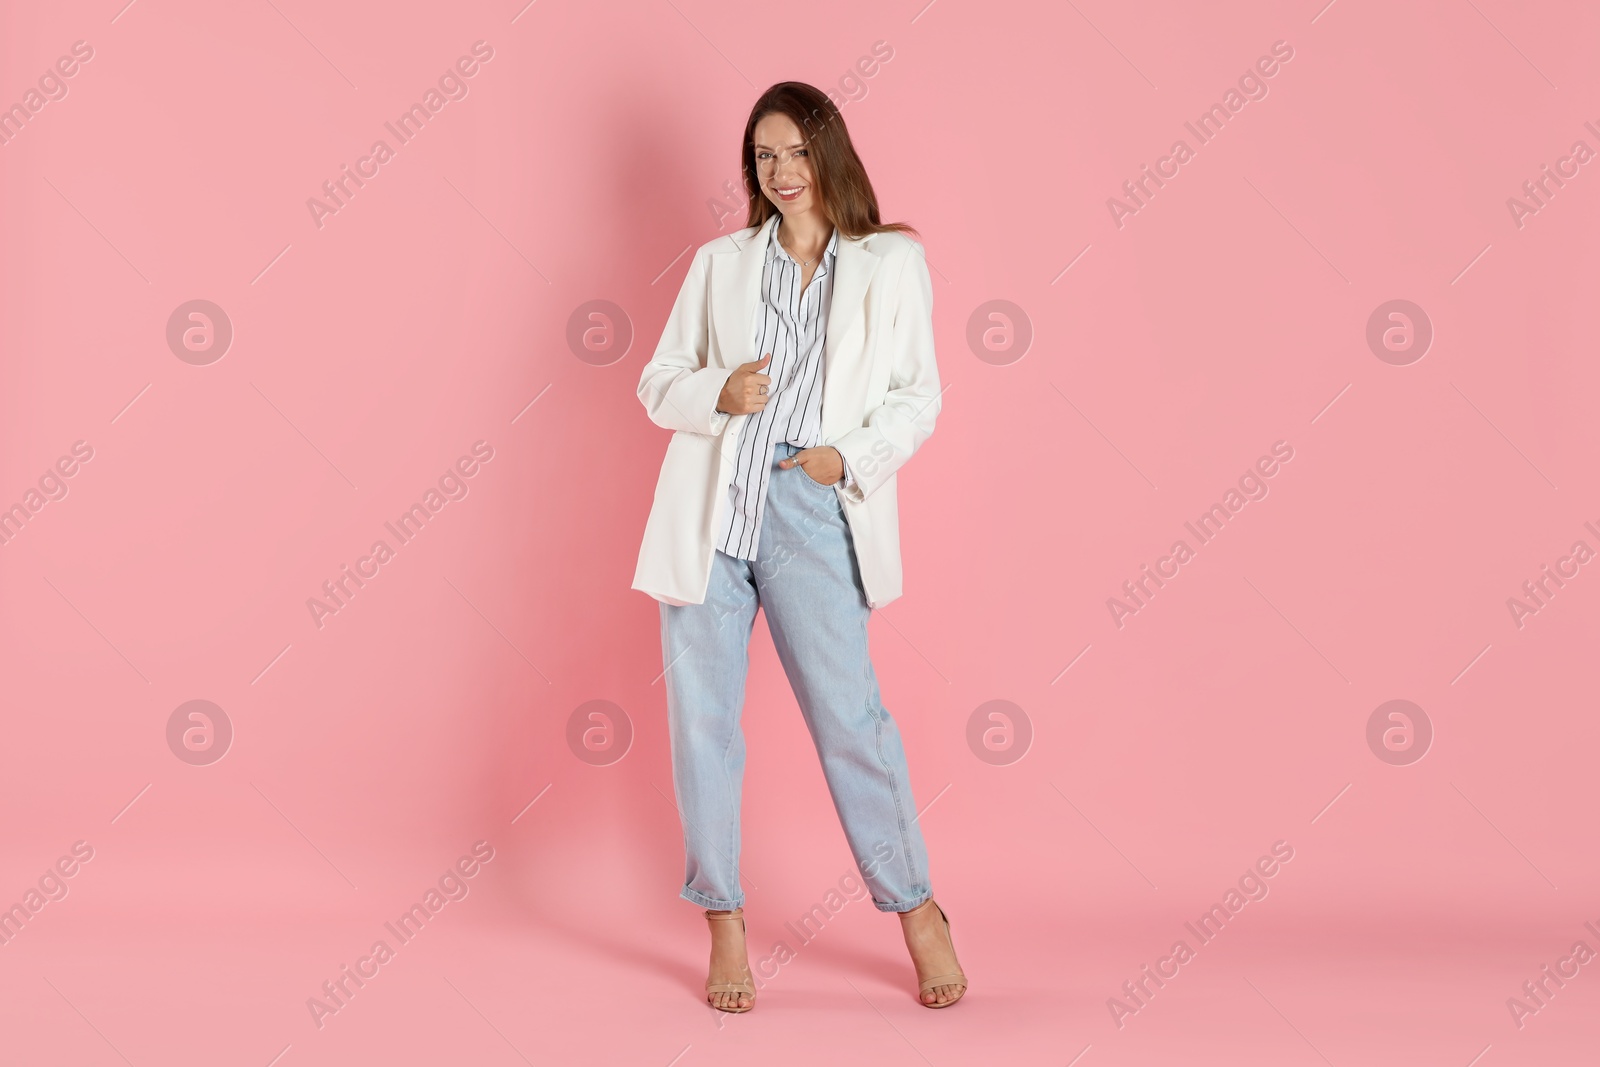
(778, 491)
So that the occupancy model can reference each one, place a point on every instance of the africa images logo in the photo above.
(452, 86)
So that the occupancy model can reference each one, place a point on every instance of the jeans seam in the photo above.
(894, 791)
(727, 782)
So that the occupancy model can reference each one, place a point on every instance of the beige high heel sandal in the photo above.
(746, 985)
(942, 979)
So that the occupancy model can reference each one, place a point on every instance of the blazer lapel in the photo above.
(735, 290)
(854, 267)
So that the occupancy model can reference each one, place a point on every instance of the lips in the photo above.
(790, 192)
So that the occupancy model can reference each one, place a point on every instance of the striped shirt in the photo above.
(793, 326)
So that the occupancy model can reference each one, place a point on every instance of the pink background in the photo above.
(428, 314)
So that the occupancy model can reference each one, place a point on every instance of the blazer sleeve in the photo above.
(677, 389)
(905, 419)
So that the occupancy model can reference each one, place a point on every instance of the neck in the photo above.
(805, 234)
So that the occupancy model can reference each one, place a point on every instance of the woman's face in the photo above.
(783, 164)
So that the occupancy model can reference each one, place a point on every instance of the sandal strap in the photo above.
(731, 987)
(955, 978)
(745, 985)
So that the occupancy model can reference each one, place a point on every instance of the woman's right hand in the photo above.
(742, 393)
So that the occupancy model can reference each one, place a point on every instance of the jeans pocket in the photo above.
(814, 483)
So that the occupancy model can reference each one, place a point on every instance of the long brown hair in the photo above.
(841, 180)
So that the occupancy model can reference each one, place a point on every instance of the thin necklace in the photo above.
(803, 263)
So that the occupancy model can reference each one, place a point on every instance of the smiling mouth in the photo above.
(794, 191)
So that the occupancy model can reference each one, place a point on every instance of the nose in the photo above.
(784, 173)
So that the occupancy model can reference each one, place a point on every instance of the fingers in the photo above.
(755, 391)
(751, 382)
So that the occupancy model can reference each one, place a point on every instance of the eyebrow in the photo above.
(797, 144)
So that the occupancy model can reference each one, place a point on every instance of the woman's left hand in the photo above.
(822, 464)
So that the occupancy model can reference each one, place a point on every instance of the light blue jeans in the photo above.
(807, 581)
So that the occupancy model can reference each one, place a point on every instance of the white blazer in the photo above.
(880, 397)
